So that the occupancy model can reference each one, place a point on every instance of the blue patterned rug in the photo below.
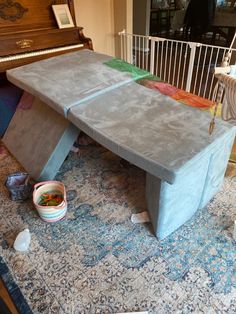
(97, 261)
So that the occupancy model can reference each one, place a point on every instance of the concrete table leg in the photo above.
(40, 139)
(217, 168)
(171, 205)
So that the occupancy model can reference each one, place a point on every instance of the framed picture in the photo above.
(62, 15)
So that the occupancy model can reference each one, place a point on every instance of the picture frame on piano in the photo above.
(62, 15)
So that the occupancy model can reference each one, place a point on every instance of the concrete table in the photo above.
(185, 165)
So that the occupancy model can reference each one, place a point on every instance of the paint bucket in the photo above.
(50, 213)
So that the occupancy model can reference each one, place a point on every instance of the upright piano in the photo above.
(29, 32)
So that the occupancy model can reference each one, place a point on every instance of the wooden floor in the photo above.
(5, 296)
(234, 147)
(233, 154)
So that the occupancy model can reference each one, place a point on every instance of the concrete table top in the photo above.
(149, 129)
(64, 81)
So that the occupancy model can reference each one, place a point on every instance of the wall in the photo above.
(102, 20)
(123, 20)
(97, 19)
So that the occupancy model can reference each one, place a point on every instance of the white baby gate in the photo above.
(186, 65)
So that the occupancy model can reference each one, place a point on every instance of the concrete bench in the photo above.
(185, 166)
